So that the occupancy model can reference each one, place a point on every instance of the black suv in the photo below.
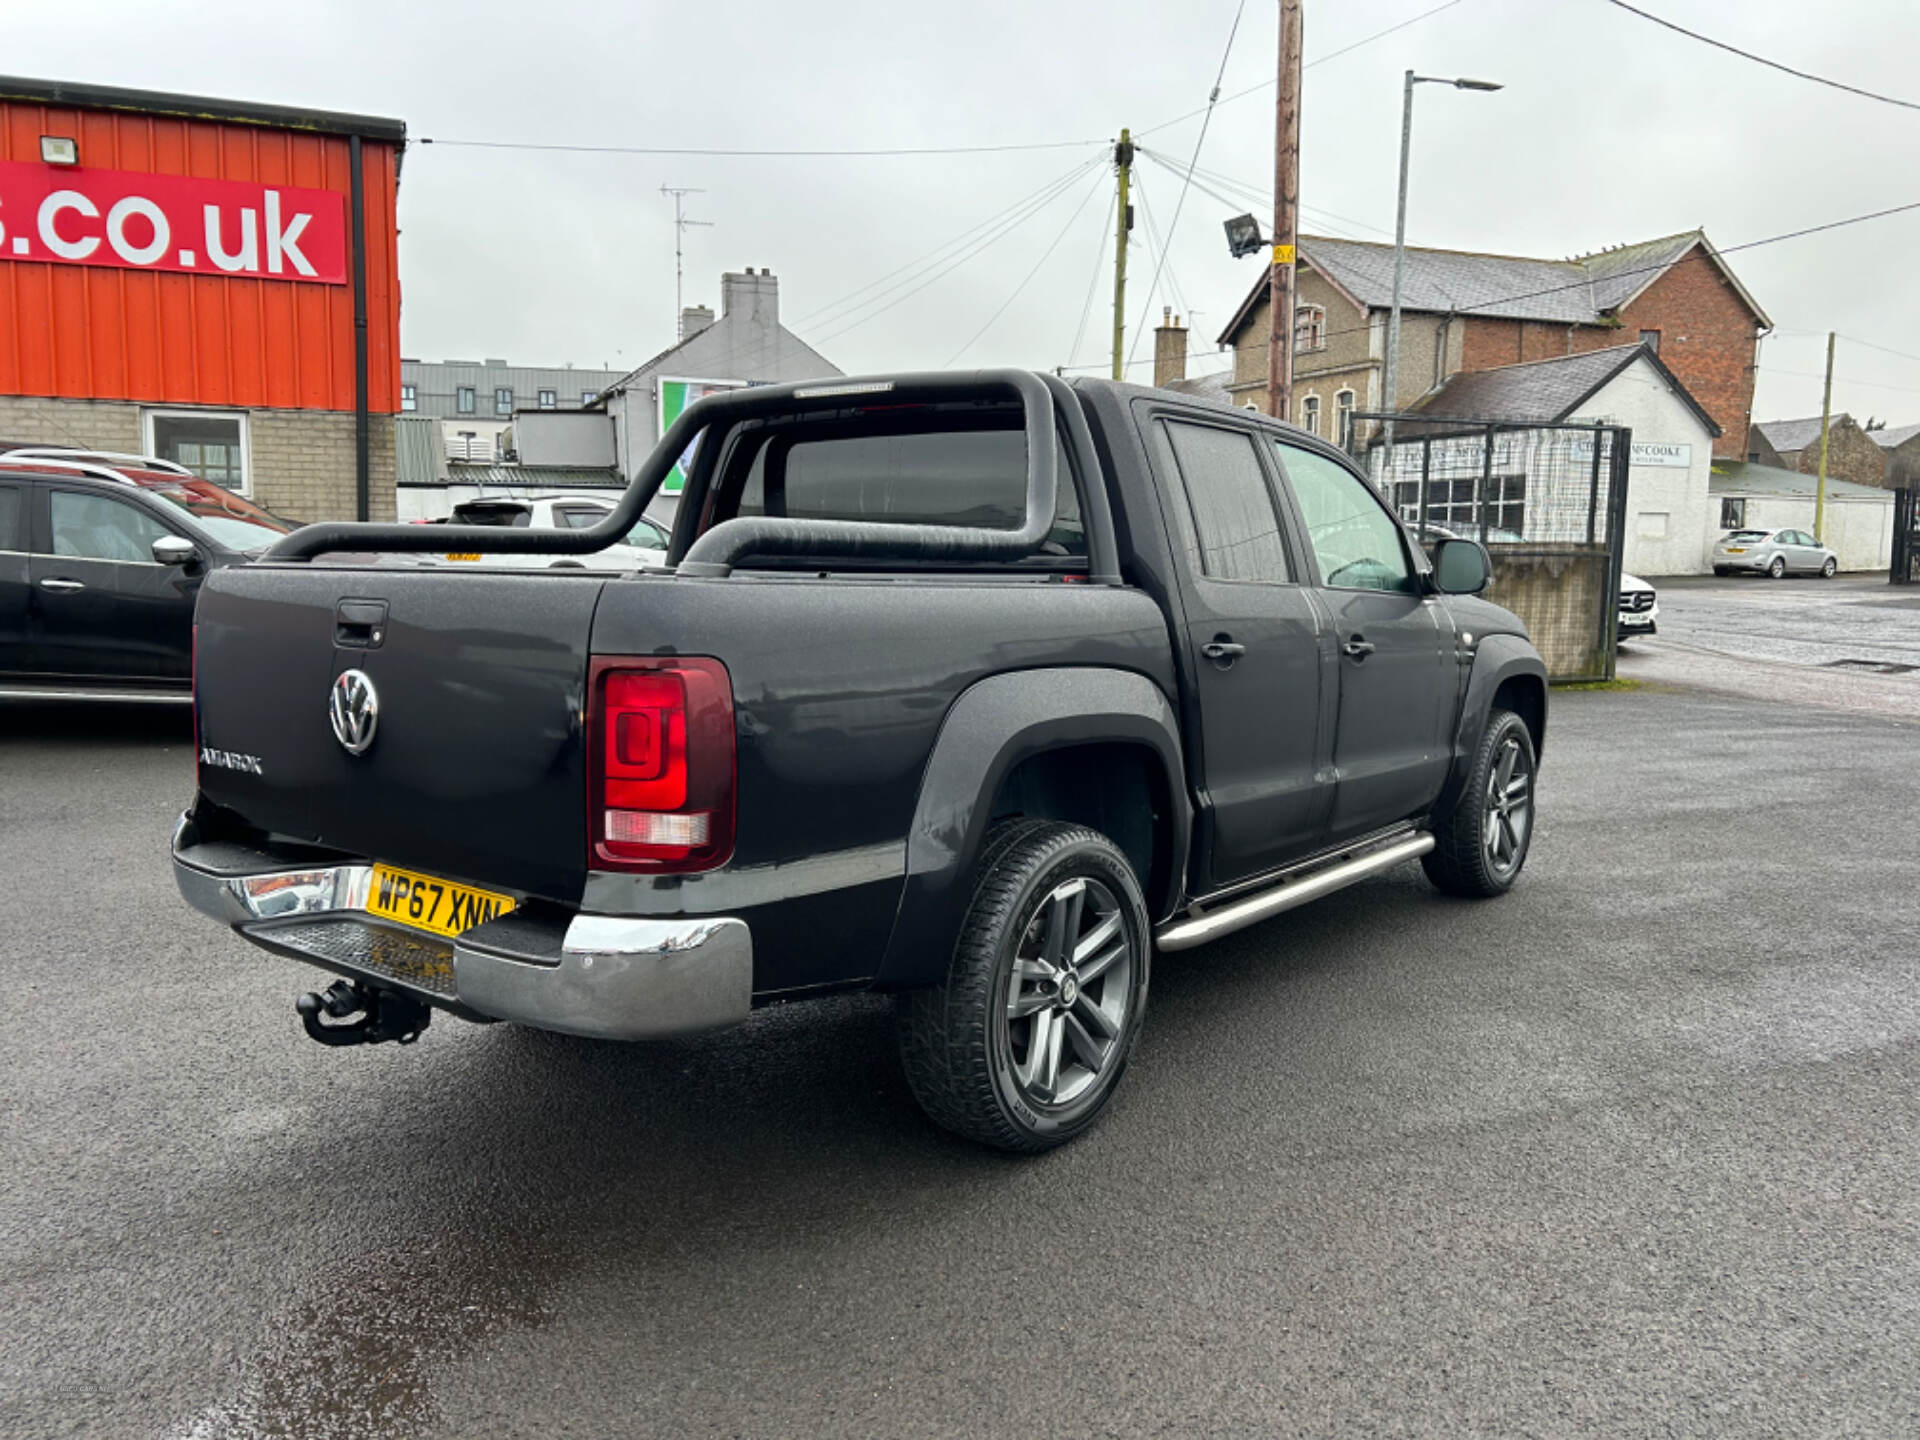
(101, 560)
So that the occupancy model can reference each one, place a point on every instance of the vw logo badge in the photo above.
(355, 711)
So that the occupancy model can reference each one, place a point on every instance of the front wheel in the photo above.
(1482, 842)
(1826, 570)
(1778, 569)
(1022, 1045)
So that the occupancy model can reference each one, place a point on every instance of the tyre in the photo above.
(1826, 570)
(1721, 570)
(1021, 1046)
(1778, 569)
(1482, 843)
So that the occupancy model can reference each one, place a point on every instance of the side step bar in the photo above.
(1199, 929)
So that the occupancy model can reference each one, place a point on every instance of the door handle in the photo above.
(63, 585)
(1358, 647)
(1223, 652)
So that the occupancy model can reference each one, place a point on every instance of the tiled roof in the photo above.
(1584, 290)
(1790, 436)
(1211, 386)
(1542, 391)
(1892, 437)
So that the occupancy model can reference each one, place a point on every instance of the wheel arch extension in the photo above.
(1084, 745)
(1509, 674)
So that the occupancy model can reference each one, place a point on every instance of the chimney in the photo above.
(1169, 348)
(754, 296)
(694, 319)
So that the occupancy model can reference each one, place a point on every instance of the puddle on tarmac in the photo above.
(357, 1357)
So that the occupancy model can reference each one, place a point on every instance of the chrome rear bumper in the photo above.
(612, 976)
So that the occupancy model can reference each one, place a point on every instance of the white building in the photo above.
(1856, 523)
(1542, 486)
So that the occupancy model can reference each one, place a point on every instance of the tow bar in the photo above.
(384, 1015)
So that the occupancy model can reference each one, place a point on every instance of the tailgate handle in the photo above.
(360, 624)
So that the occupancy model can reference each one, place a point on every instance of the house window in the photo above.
(409, 398)
(1455, 505)
(463, 400)
(211, 444)
(1733, 513)
(503, 400)
(586, 397)
(1651, 339)
(1343, 417)
(1310, 414)
(1309, 327)
(549, 400)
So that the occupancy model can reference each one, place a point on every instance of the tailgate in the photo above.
(476, 768)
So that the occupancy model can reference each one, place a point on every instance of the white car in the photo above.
(1639, 609)
(646, 543)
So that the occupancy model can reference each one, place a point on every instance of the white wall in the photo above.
(1671, 517)
(1859, 531)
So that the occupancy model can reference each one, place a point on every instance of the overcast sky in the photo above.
(1609, 130)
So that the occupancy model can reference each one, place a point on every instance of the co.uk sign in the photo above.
(136, 221)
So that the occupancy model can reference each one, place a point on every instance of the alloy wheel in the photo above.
(1068, 993)
(1509, 808)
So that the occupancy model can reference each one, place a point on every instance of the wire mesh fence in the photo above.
(1547, 500)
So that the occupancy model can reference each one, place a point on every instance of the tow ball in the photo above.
(383, 1015)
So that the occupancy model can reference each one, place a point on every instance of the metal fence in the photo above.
(1905, 569)
(1547, 500)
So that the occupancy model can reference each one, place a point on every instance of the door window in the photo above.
(1353, 537)
(98, 527)
(13, 518)
(1233, 510)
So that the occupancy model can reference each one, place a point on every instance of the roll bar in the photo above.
(715, 552)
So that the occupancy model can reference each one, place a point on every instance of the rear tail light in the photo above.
(660, 778)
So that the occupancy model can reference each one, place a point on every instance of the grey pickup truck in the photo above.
(979, 688)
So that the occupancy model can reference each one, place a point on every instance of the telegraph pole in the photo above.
(1123, 167)
(680, 224)
(1820, 486)
(1286, 216)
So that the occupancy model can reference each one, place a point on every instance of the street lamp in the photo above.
(1400, 227)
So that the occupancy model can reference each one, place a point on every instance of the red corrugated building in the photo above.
(212, 281)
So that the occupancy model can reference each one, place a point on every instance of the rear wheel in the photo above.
(1826, 570)
(1481, 845)
(1022, 1045)
(1778, 569)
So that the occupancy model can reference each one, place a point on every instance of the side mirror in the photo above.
(175, 550)
(1461, 567)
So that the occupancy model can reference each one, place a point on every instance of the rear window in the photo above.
(1753, 535)
(516, 517)
(973, 477)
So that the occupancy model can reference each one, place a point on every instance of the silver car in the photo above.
(1773, 552)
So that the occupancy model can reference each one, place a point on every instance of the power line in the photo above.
(1099, 258)
(1045, 255)
(956, 242)
(1333, 55)
(1238, 192)
(1884, 350)
(1762, 60)
(1838, 379)
(779, 154)
(1174, 224)
(947, 267)
(1174, 287)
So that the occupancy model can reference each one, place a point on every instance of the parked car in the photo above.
(1777, 553)
(101, 559)
(645, 543)
(974, 688)
(1639, 609)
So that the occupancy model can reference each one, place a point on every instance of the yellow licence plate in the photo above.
(1735, 550)
(463, 555)
(424, 902)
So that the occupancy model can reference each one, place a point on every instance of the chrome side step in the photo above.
(1184, 934)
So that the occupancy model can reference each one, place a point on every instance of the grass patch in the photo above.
(1576, 686)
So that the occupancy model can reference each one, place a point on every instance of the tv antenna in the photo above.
(680, 224)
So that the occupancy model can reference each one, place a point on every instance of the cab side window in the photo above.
(1356, 541)
(98, 527)
(13, 518)
(1233, 514)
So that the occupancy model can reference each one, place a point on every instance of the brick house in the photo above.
(1465, 311)
(1852, 453)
